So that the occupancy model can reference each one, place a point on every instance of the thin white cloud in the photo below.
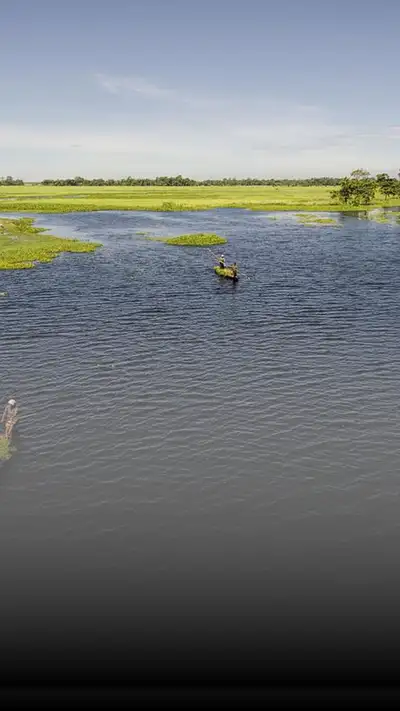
(138, 85)
(125, 85)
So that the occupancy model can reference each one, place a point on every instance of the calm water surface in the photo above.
(185, 432)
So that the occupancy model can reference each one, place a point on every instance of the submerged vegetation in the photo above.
(22, 244)
(201, 239)
(314, 220)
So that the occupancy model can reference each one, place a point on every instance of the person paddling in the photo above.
(222, 262)
(9, 417)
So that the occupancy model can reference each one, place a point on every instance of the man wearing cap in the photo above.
(222, 261)
(9, 417)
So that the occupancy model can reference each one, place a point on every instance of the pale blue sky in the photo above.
(220, 87)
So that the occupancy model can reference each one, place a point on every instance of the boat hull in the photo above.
(226, 273)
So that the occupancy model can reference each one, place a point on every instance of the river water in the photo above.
(189, 447)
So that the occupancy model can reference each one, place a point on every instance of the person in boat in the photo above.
(222, 262)
(234, 268)
(9, 418)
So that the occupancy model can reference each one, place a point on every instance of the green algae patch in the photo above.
(23, 245)
(200, 239)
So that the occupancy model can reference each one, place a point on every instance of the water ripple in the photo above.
(155, 397)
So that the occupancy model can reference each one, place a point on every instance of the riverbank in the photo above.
(22, 245)
(52, 199)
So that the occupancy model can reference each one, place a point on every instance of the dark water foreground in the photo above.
(207, 482)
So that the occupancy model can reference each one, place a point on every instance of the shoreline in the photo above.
(61, 208)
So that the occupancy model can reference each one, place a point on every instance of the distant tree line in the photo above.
(9, 180)
(174, 181)
(180, 181)
(360, 188)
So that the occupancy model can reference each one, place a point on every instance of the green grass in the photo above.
(6, 449)
(201, 239)
(53, 199)
(22, 244)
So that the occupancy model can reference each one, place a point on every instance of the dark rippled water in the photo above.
(194, 442)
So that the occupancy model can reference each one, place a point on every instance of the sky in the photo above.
(206, 89)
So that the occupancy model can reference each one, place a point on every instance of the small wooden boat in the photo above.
(227, 273)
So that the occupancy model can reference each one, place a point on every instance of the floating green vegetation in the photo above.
(314, 220)
(6, 449)
(22, 245)
(380, 216)
(381, 219)
(201, 239)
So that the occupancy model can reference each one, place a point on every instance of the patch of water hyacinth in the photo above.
(200, 239)
(22, 245)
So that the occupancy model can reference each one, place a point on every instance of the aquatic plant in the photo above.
(22, 244)
(383, 219)
(313, 220)
(201, 239)
(377, 215)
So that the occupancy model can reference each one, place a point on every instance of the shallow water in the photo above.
(188, 439)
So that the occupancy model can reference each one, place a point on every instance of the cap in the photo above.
(11, 402)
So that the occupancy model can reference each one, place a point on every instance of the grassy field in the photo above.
(22, 244)
(48, 199)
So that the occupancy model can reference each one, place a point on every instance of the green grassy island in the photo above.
(22, 245)
(201, 239)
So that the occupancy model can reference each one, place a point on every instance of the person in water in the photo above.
(234, 269)
(222, 262)
(9, 417)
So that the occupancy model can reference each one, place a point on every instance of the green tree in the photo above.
(389, 187)
(358, 189)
